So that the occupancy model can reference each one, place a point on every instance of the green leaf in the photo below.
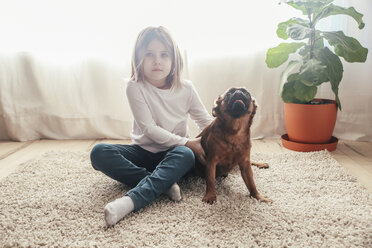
(296, 92)
(337, 99)
(278, 55)
(347, 47)
(287, 93)
(308, 7)
(284, 76)
(319, 43)
(337, 10)
(298, 32)
(334, 69)
(282, 27)
(332, 62)
(313, 73)
(303, 92)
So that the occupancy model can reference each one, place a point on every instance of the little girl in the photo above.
(161, 151)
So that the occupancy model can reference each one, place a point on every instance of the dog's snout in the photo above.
(238, 92)
(241, 91)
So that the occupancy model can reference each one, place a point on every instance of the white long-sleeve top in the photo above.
(160, 115)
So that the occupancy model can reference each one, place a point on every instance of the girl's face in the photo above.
(157, 64)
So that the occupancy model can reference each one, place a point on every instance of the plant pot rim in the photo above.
(316, 100)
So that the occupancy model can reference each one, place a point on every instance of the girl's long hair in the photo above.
(144, 38)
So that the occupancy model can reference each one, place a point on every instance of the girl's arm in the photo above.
(143, 118)
(202, 118)
(198, 112)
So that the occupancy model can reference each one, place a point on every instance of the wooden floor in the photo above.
(356, 157)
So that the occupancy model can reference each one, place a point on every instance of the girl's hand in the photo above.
(196, 147)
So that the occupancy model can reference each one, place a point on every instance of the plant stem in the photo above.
(312, 37)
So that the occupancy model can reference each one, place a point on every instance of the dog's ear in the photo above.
(255, 103)
(216, 108)
(255, 106)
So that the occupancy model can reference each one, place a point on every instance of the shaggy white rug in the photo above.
(57, 200)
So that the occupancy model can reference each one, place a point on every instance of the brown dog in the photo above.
(227, 143)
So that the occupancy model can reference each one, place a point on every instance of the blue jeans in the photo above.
(150, 174)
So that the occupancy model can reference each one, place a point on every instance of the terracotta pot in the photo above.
(310, 123)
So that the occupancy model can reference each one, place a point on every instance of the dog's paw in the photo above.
(262, 199)
(210, 199)
(261, 165)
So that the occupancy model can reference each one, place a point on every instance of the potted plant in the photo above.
(317, 61)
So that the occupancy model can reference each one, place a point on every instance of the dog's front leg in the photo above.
(247, 175)
(210, 176)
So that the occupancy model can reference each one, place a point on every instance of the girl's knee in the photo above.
(97, 154)
(187, 156)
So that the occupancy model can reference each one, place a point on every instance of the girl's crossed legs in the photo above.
(150, 174)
